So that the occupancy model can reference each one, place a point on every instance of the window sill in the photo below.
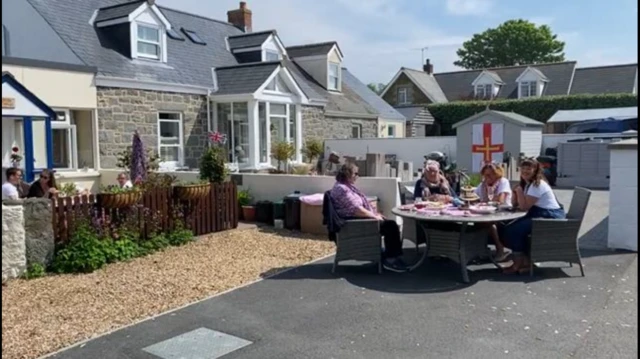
(74, 174)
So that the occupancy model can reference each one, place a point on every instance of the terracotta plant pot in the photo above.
(249, 213)
(119, 200)
(192, 192)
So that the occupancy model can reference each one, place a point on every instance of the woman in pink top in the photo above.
(349, 203)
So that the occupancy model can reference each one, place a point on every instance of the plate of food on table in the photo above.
(484, 208)
(430, 205)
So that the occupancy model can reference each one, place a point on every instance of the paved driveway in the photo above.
(309, 313)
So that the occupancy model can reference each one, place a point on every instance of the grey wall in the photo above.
(464, 138)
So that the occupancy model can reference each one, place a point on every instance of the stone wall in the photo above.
(14, 261)
(121, 111)
(39, 239)
(316, 124)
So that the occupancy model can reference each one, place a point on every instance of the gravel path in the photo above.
(46, 314)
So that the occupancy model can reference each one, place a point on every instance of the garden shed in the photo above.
(487, 135)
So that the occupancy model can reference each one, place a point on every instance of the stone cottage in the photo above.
(176, 77)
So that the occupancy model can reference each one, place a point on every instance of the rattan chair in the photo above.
(556, 240)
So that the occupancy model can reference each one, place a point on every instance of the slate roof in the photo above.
(19, 36)
(604, 79)
(187, 63)
(428, 84)
(457, 85)
(253, 39)
(508, 116)
(311, 49)
(117, 11)
(385, 110)
(245, 78)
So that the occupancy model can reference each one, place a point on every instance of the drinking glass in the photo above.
(490, 193)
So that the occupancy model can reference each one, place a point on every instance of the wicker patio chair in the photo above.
(410, 231)
(357, 239)
(556, 240)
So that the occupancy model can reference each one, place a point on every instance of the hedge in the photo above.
(540, 108)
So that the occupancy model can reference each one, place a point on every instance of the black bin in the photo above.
(264, 212)
(292, 211)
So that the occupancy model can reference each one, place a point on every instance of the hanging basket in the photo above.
(192, 192)
(119, 200)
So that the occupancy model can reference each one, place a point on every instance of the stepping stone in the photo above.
(201, 343)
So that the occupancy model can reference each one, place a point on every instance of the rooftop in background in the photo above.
(593, 114)
(387, 112)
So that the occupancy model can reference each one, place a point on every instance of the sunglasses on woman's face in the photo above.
(44, 177)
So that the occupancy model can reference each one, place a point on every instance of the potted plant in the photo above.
(312, 149)
(15, 157)
(244, 200)
(212, 163)
(191, 191)
(282, 152)
(112, 197)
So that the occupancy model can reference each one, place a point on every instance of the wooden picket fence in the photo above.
(216, 212)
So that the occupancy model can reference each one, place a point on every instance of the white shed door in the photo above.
(531, 142)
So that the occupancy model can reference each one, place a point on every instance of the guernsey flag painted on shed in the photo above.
(487, 145)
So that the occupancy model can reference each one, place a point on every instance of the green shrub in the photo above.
(212, 165)
(312, 149)
(244, 197)
(156, 242)
(84, 253)
(540, 108)
(180, 236)
(121, 250)
(35, 270)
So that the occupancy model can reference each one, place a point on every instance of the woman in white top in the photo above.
(494, 188)
(535, 196)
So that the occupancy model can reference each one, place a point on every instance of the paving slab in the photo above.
(309, 313)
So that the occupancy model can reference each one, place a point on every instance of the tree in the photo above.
(515, 42)
(377, 88)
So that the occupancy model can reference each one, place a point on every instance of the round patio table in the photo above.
(462, 242)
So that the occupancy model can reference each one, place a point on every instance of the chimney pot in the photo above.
(241, 17)
(428, 67)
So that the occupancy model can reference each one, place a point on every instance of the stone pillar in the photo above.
(39, 238)
(376, 165)
(14, 261)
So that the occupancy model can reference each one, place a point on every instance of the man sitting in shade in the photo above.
(331, 165)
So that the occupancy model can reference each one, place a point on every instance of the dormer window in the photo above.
(148, 42)
(334, 77)
(139, 28)
(486, 91)
(531, 83)
(270, 55)
(528, 89)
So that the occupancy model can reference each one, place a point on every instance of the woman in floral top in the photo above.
(349, 202)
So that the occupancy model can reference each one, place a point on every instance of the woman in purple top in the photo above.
(349, 202)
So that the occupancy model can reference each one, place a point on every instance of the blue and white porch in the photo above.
(26, 124)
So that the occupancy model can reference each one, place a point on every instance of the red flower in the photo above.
(15, 149)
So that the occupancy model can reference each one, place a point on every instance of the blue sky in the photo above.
(379, 36)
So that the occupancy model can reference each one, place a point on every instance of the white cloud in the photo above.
(372, 34)
(469, 7)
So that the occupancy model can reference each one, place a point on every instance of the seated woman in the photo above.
(350, 202)
(44, 187)
(433, 186)
(535, 196)
(494, 188)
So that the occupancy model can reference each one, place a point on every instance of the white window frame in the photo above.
(157, 28)
(403, 91)
(358, 127)
(481, 91)
(391, 131)
(273, 53)
(72, 138)
(331, 78)
(528, 85)
(180, 144)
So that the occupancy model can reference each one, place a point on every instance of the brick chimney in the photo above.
(241, 17)
(428, 67)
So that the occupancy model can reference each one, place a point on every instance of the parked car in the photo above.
(607, 125)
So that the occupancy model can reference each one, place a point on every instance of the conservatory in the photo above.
(253, 122)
